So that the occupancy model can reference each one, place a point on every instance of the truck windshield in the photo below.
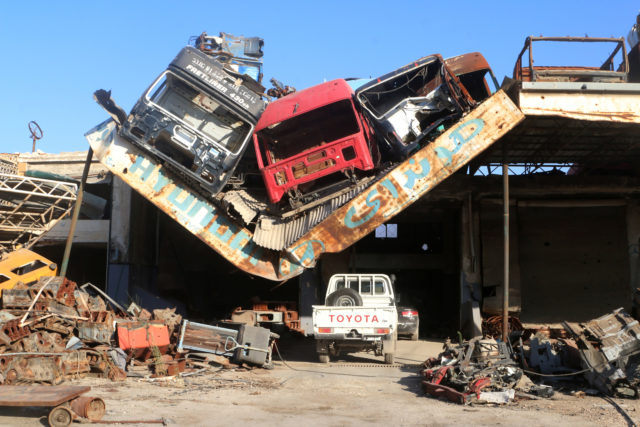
(311, 129)
(199, 112)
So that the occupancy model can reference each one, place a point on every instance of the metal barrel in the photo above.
(92, 408)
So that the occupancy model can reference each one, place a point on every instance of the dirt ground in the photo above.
(354, 390)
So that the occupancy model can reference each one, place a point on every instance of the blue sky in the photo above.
(55, 54)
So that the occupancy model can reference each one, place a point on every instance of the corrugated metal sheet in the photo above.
(276, 233)
(246, 206)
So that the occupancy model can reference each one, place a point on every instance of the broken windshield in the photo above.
(199, 112)
(380, 98)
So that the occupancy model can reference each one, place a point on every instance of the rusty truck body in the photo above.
(309, 135)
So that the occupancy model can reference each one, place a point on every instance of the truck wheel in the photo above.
(345, 297)
(388, 358)
(323, 358)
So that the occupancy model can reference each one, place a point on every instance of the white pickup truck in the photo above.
(359, 315)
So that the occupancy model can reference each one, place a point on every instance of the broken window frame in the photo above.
(396, 146)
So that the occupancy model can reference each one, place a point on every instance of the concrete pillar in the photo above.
(118, 269)
(309, 285)
(470, 278)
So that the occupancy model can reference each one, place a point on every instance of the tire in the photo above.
(60, 416)
(323, 358)
(416, 334)
(388, 358)
(345, 297)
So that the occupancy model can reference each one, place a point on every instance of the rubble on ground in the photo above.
(479, 370)
(55, 330)
(598, 356)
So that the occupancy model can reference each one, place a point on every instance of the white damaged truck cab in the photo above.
(359, 315)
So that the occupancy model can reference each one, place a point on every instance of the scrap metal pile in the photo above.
(477, 370)
(54, 330)
(599, 356)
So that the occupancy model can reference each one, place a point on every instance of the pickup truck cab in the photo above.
(359, 315)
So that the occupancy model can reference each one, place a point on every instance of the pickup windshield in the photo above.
(198, 111)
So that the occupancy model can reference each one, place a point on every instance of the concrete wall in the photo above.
(567, 263)
(492, 235)
(574, 262)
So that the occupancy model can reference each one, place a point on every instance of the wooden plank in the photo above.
(39, 395)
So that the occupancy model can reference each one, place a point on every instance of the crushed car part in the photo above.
(464, 372)
(237, 53)
(605, 345)
(96, 332)
(40, 342)
(413, 104)
(12, 331)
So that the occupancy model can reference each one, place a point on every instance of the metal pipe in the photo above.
(76, 213)
(505, 280)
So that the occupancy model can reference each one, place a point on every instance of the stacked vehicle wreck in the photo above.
(329, 157)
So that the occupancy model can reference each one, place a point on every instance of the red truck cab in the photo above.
(311, 135)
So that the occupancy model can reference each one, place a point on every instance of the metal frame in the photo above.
(29, 207)
(607, 66)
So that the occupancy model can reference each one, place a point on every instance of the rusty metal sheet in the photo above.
(406, 183)
(16, 395)
(582, 101)
(186, 206)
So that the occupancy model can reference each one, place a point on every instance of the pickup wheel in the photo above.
(388, 358)
(345, 297)
(323, 358)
